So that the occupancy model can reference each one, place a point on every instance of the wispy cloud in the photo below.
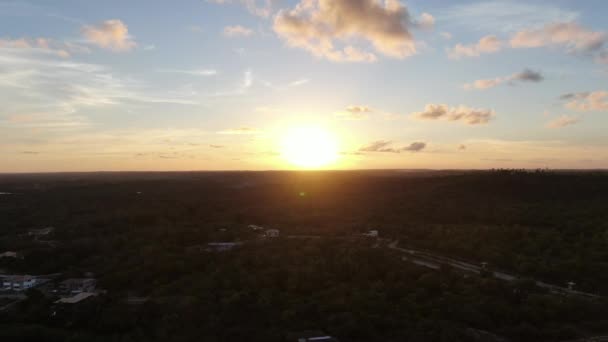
(571, 36)
(487, 44)
(193, 72)
(527, 75)
(261, 8)
(387, 146)
(237, 31)
(505, 16)
(563, 121)
(587, 101)
(354, 113)
(42, 90)
(467, 115)
(299, 82)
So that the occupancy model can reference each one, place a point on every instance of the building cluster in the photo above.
(17, 282)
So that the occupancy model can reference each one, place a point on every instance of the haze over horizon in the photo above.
(302, 84)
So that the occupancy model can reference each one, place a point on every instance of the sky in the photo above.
(218, 84)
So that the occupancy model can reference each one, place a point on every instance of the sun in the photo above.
(309, 147)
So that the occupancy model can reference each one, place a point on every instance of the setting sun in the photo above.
(309, 147)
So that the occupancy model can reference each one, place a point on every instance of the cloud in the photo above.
(467, 115)
(504, 15)
(379, 146)
(262, 8)
(426, 21)
(317, 26)
(415, 147)
(111, 34)
(241, 131)
(587, 101)
(354, 113)
(563, 121)
(216, 146)
(487, 44)
(526, 75)
(385, 146)
(462, 147)
(237, 31)
(193, 72)
(42, 44)
(299, 82)
(42, 90)
(358, 109)
(573, 37)
(446, 35)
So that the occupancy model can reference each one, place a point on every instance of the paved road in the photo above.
(434, 261)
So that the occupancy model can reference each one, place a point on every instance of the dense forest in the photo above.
(136, 232)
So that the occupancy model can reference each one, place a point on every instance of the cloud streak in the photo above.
(464, 114)
(563, 121)
(237, 31)
(527, 75)
(386, 146)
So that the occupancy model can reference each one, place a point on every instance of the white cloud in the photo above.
(299, 82)
(563, 121)
(237, 31)
(487, 44)
(261, 8)
(571, 36)
(354, 113)
(426, 21)
(319, 26)
(467, 115)
(504, 16)
(193, 72)
(587, 101)
(111, 34)
(42, 90)
(61, 49)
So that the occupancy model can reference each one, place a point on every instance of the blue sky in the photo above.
(189, 85)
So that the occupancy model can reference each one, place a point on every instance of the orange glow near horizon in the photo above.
(309, 147)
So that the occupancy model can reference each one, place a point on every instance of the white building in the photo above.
(9, 254)
(18, 282)
(272, 233)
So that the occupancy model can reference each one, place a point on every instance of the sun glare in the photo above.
(309, 147)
